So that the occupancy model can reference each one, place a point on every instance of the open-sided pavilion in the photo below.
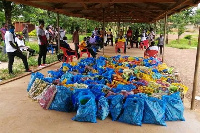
(135, 11)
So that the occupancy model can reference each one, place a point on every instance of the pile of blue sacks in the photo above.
(90, 99)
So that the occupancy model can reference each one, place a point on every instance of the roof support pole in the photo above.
(155, 29)
(103, 27)
(165, 31)
(86, 26)
(118, 28)
(58, 25)
(195, 82)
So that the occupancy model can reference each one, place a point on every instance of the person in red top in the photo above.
(3, 31)
(129, 35)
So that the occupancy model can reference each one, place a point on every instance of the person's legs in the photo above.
(92, 52)
(40, 54)
(44, 54)
(11, 56)
(161, 47)
(111, 41)
(32, 51)
(23, 57)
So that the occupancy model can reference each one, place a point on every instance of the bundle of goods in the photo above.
(132, 90)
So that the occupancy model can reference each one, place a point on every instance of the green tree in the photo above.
(180, 20)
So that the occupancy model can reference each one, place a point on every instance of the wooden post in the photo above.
(86, 26)
(155, 29)
(58, 32)
(195, 81)
(165, 28)
(103, 27)
(118, 28)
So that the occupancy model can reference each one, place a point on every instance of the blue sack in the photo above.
(33, 77)
(154, 111)
(98, 90)
(55, 74)
(115, 106)
(87, 110)
(133, 111)
(77, 93)
(174, 107)
(62, 100)
(67, 76)
(102, 108)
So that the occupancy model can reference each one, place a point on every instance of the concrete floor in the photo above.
(19, 114)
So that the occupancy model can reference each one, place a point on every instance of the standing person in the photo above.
(143, 36)
(47, 34)
(62, 33)
(3, 31)
(121, 33)
(42, 42)
(160, 42)
(13, 50)
(151, 35)
(129, 35)
(109, 37)
(25, 33)
(76, 39)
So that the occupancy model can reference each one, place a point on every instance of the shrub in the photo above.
(3, 57)
(32, 33)
(32, 61)
(182, 44)
(51, 58)
(33, 45)
(188, 37)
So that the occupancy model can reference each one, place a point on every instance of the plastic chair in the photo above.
(151, 53)
(85, 50)
(143, 44)
(68, 57)
(50, 47)
(120, 45)
(146, 43)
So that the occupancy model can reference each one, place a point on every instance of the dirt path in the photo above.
(184, 62)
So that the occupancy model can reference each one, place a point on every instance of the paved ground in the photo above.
(19, 114)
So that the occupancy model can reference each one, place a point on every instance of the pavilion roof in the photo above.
(115, 10)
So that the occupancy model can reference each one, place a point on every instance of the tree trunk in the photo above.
(167, 39)
(8, 11)
(189, 42)
(178, 36)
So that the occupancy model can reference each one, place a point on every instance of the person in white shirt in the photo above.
(20, 42)
(62, 33)
(47, 34)
(143, 36)
(13, 50)
(42, 42)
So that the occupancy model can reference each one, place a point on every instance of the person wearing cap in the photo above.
(3, 31)
(13, 50)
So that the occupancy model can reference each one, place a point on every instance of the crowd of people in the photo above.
(15, 44)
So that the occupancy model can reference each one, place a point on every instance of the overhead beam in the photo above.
(84, 5)
(104, 1)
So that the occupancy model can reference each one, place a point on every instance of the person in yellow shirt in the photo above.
(83, 47)
(121, 39)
